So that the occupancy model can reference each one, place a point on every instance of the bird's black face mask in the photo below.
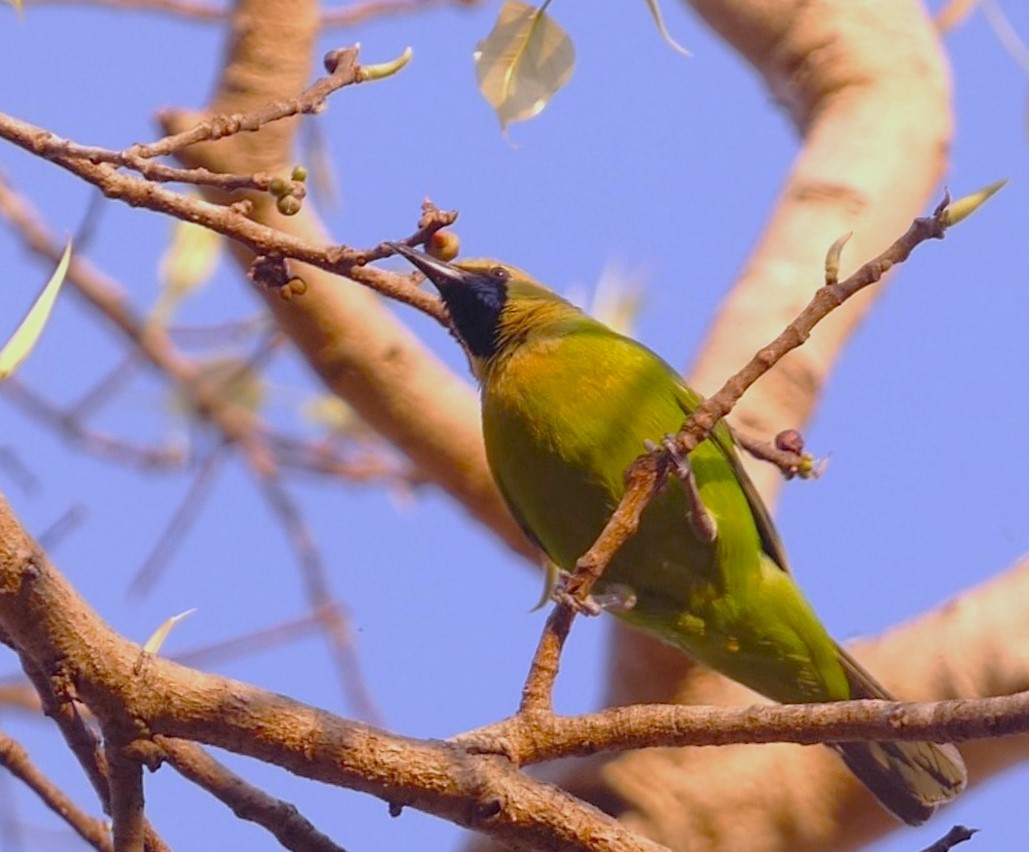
(473, 299)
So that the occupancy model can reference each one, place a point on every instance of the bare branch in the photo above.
(16, 760)
(541, 738)
(125, 779)
(320, 597)
(280, 818)
(182, 519)
(958, 834)
(476, 790)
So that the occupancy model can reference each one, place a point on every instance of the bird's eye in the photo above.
(498, 273)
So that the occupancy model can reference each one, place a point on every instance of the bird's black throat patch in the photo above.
(475, 305)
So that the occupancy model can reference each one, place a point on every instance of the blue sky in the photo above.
(655, 167)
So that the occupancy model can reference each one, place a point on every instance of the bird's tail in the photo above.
(911, 779)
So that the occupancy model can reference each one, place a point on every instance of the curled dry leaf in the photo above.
(523, 62)
(229, 378)
(186, 265)
(655, 10)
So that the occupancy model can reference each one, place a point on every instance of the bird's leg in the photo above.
(616, 598)
(700, 518)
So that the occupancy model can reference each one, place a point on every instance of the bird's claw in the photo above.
(699, 516)
(615, 598)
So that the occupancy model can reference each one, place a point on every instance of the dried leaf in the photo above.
(655, 10)
(523, 62)
(24, 339)
(332, 413)
(232, 379)
(319, 157)
(186, 265)
(618, 296)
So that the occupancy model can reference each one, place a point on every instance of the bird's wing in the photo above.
(512, 507)
(722, 437)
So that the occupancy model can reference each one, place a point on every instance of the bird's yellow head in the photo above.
(492, 305)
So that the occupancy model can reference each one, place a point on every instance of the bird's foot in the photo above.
(615, 598)
(698, 515)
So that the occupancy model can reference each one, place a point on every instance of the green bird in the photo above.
(567, 405)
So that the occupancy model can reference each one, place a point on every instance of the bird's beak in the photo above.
(441, 274)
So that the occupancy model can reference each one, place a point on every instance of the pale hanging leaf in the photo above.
(655, 10)
(318, 156)
(618, 297)
(186, 265)
(332, 413)
(232, 379)
(156, 640)
(23, 340)
(329, 411)
(523, 62)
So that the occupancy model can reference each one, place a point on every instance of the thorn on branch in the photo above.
(832, 259)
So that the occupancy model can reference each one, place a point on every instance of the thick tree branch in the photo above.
(127, 690)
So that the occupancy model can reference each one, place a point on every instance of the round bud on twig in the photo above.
(790, 440)
(288, 205)
(444, 245)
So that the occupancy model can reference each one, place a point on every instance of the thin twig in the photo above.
(96, 443)
(15, 759)
(106, 388)
(345, 71)
(184, 517)
(790, 461)
(544, 737)
(260, 239)
(82, 742)
(958, 834)
(273, 636)
(59, 529)
(125, 780)
(246, 801)
(319, 595)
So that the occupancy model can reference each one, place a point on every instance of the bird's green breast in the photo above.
(564, 415)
